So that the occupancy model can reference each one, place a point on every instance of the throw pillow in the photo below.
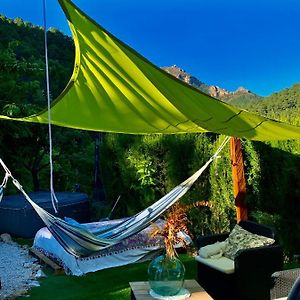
(212, 251)
(240, 238)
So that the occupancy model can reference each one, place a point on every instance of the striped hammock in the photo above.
(79, 242)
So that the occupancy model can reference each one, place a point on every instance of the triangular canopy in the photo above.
(115, 89)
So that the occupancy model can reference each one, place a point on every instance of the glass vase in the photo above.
(166, 275)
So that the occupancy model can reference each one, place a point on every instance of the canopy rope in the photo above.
(52, 193)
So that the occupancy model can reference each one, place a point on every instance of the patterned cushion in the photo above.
(240, 238)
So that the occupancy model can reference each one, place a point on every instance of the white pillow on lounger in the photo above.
(212, 251)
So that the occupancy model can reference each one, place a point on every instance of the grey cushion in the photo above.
(240, 238)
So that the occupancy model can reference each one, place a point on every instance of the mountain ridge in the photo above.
(283, 105)
(239, 96)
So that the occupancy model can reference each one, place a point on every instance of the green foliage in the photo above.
(273, 171)
(252, 173)
(266, 218)
(221, 193)
(280, 188)
(147, 167)
(73, 160)
(201, 152)
(241, 99)
(22, 92)
(283, 106)
(179, 151)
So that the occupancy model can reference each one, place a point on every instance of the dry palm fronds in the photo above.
(176, 221)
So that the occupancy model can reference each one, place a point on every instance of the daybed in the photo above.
(248, 275)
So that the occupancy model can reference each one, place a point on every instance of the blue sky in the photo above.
(230, 43)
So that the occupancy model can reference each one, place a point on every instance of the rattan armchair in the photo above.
(251, 278)
(286, 285)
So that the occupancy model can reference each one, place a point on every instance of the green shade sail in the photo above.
(114, 89)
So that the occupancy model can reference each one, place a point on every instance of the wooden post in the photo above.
(238, 177)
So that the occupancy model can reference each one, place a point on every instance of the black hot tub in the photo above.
(18, 218)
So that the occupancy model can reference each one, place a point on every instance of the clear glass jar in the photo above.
(166, 275)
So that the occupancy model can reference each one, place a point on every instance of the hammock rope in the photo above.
(3, 185)
(79, 242)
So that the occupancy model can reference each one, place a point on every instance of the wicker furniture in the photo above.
(251, 279)
(286, 284)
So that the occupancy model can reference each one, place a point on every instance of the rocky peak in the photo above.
(183, 75)
(218, 92)
(213, 90)
(242, 90)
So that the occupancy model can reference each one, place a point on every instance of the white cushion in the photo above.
(222, 264)
(212, 251)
